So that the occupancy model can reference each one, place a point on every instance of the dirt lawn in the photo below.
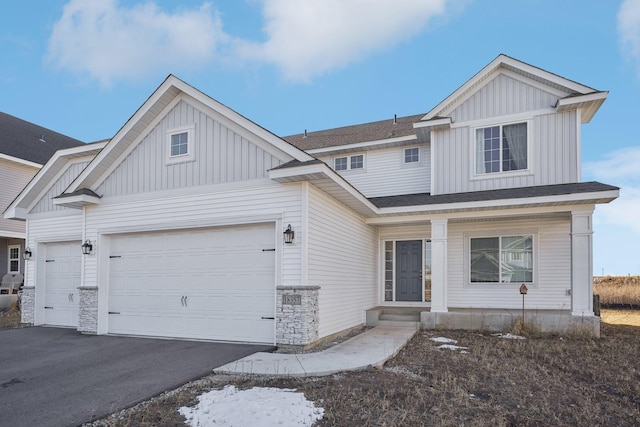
(542, 380)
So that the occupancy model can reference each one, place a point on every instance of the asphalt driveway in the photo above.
(59, 377)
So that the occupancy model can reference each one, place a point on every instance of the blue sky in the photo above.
(83, 67)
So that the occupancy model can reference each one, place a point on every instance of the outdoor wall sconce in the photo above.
(288, 235)
(87, 247)
(27, 253)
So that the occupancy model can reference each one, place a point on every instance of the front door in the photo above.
(409, 270)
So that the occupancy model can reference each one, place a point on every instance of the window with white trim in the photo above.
(349, 162)
(412, 155)
(180, 145)
(503, 259)
(14, 259)
(501, 148)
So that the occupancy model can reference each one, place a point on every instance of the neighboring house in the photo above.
(24, 148)
(197, 223)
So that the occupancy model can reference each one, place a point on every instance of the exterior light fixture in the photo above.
(288, 235)
(87, 247)
(27, 253)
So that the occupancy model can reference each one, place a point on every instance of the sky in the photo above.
(83, 67)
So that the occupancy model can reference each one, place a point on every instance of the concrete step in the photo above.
(398, 323)
(400, 317)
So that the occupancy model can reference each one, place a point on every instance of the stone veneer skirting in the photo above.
(296, 315)
(88, 310)
(28, 304)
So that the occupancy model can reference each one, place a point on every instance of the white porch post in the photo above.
(439, 265)
(581, 263)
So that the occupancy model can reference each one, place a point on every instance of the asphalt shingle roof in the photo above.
(366, 132)
(478, 196)
(28, 141)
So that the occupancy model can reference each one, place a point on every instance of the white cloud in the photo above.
(309, 38)
(111, 42)
(619, 168)
(629, 30)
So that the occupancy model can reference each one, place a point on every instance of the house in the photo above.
(194, 222)
(24, 148)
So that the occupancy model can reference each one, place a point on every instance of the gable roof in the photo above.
(570, 88)
(27, 141)
(47, 176)
(150, 113)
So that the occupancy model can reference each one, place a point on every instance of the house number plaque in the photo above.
(291, 299)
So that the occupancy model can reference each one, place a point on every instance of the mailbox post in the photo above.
(523, 292)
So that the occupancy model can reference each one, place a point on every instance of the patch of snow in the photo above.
(451, 347)
(258, 406)
(444, 340)
(509, 336)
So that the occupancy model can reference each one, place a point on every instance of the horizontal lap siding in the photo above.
(45, 204)
(56, 229)
(342, 260)
(385, 173)
(13, 177)
(273, 200)
(552, 258)
(221, 156)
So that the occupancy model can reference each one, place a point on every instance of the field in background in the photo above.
(618, 291)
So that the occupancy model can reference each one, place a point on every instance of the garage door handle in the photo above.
(183, 301)
(267, 318)
(48, 308)
(114, 312)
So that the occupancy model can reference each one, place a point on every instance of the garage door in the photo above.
(214, 284)
(61, 281)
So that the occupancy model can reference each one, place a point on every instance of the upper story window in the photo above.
(349, 162)
(412, 155)
(501, 148)
(14, 259)
(180, 145)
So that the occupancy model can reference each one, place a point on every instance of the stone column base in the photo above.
(88, 310)
(28, 305)
(297, 315)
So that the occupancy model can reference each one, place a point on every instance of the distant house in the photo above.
(197, 223)
(24, 148)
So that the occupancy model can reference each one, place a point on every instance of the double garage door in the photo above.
(214, 284)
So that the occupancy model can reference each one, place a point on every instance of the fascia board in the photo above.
(20, 161)
(364, 145)
(74, 201)
(13, 234)
(502, 203)
(14, 212)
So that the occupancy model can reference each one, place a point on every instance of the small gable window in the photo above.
(349, 162)
(501, 148)
(180, 145)
(412, 155)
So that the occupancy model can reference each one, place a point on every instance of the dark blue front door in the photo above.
(409, 270)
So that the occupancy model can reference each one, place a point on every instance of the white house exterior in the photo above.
(444, 214)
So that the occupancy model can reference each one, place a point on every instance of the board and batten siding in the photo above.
(51, 229)
(553, 157)
(221, 156)
(14, 177)
(503, 95)
(552, 264)
(342, 260)
(215, 208)
(45, 204)
(386, 174)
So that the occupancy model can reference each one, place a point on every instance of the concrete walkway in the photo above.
(371, 348)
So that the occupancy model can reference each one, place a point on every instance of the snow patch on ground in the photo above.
(452, 347)
(509, 336)
(258, 406)
(444, 340)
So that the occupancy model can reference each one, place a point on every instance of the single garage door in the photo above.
(214, 284)
(61, 282)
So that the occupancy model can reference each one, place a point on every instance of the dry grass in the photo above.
(10, 319)
(543, 380)
(618, 291)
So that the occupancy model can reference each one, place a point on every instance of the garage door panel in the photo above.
(210, 284)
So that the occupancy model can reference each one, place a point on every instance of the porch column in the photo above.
(581, 263)
(439, 265)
